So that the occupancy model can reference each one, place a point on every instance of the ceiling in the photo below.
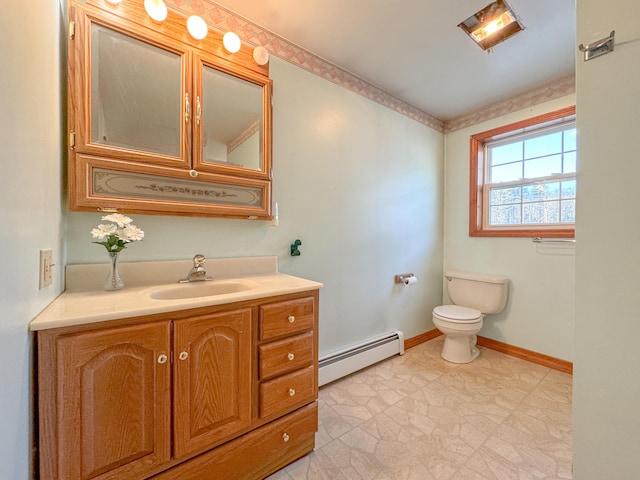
(414, 50)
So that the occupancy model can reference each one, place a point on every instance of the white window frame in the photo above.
(554, 178)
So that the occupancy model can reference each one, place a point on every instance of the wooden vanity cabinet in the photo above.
(172, 396)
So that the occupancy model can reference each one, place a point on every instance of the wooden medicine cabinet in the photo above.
(162, 123)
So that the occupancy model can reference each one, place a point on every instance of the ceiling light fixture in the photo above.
(114, 2)
(156, 9)
(197, 27)
(493, 24)
(231, 42)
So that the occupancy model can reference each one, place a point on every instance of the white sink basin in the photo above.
(200, 289)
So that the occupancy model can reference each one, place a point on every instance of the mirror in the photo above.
(135, 94)
(233, 122)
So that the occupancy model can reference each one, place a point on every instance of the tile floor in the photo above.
(417, 417)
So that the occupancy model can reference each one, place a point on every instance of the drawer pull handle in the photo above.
(291, 356)
(183, 355)
(285, 437)
(162, 358)
(292, 392)
(291, 318)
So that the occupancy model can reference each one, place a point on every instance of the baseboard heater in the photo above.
(351, 359)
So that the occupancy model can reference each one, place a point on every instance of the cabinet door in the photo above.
(232, 120)
(113, 402)
(212, 379)
(129, 99)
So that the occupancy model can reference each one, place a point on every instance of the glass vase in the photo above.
(113, 281)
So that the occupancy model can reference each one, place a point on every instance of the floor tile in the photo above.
(418, 417)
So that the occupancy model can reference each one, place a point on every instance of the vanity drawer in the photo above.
(284, 318)
(286, 355)
(256, 454)
(288, 391)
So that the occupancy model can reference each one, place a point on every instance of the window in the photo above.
(523, 178)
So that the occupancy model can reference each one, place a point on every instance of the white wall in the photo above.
(30, 215)
(539, 315)
(359, 184)
(607, 333)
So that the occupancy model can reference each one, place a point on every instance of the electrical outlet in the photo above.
(46, 267)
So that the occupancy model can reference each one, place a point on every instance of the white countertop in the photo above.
(84, 301)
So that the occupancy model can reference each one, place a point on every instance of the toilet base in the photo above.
(460, 348)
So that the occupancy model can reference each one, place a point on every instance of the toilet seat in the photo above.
(458, 314)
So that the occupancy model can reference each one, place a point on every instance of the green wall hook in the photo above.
(294, 248)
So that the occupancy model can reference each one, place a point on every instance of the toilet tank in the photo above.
(487, 293)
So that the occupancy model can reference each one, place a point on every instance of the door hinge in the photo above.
(72, 30)
(72, 139)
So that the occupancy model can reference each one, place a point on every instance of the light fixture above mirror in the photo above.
(231, 42)
(198, 29)
(493, 24)
(260, 55)
(156, 9)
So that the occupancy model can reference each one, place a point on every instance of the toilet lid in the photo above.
(458, 313)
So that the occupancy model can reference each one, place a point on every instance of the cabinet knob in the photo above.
(291, 319)
(292, 392)
(291, 356)
(162, 358)
(183, 355)
(285, 437)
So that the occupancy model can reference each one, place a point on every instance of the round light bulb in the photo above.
(197, 27)
(260, 55)
(231, 42)
(156, 9)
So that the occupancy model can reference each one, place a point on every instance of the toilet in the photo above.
(474, 295)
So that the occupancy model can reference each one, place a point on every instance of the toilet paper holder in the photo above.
(403, 277)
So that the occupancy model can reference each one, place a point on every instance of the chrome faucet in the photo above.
(197, 273)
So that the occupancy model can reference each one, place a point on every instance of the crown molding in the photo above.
(559, 88)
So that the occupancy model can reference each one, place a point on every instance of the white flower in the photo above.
(102, 231)
(115, 235)
(121, 220)
(131, 233)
